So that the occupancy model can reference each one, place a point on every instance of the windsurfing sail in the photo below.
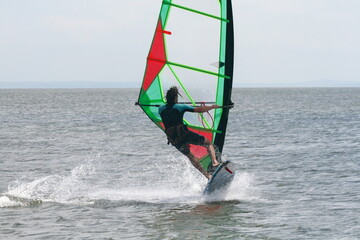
(192, 48)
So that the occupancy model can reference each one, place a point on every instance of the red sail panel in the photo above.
(156, 58)
(199, 151)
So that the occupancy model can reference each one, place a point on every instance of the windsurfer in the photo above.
(177, 132)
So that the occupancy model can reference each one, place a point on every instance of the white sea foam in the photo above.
(175, 181)
(243, 188)
(7, 202)
(67, 188)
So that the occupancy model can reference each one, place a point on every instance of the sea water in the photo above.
(88, 164)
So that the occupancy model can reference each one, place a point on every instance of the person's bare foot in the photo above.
(216, 164)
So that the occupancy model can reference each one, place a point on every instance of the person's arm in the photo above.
(202, 109)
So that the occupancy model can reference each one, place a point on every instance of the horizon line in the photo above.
(92, 84)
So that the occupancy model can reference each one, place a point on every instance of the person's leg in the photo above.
(211, 151)
(184, 149)
(195, 162)
(197, 139)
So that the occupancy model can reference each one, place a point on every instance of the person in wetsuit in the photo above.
(177, 132)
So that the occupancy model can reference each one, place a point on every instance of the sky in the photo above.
(276, 42)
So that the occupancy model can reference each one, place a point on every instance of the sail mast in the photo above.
(229, 69)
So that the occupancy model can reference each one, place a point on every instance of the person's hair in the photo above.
(171, 95)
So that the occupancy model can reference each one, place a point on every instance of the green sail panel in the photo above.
(190, 36)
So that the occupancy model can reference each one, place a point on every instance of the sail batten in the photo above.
(195, 11)
(188, 67)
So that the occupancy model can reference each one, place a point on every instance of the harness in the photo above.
(176, 134)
